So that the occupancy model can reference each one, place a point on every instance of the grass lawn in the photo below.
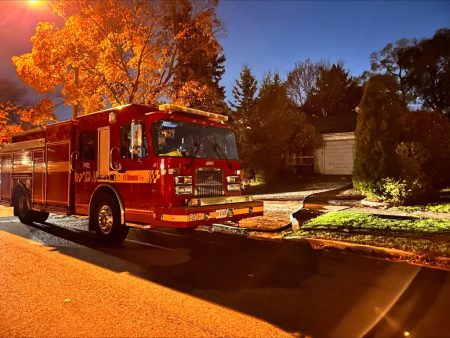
(363, 221)
(432, 207)
(423, 236)
(442, 205)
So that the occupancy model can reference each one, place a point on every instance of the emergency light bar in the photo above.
(174, 107)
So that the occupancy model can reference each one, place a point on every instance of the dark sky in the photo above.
(18, 21)
(273, 35)
(276, 34)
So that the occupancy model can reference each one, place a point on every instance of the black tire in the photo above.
(106, 220)
(40, 217)
(22, 208)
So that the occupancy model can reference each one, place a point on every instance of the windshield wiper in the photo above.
(195, 149)
(219, 151)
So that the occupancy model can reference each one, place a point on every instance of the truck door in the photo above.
(85, 163)
(59, 147)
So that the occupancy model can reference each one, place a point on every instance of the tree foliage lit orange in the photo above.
(14, 118)
(115, 52)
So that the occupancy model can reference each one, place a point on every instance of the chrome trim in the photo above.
(122, 209)
(75, 154)
(119, 167)
(23, 145)
(105, 219)
(209, 182)
(139, 226)
(205, 201)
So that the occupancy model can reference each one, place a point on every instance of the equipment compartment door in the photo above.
(5, 178)
(58, 174)
(38, 180)
(103, 154)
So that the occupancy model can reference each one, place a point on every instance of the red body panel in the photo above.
(5, 180)
(145, 187)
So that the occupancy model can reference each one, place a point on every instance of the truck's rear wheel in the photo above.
(22, 208)
(40, 217)
(106, 220)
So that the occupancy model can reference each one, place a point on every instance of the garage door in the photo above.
(338, 157)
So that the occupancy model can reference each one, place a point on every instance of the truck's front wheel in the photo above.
(106, 220)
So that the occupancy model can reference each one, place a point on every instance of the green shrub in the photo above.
(432, 131)
(376, 135)
(400, 191)
(401, 156)
(412, 158)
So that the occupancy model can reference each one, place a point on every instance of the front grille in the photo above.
(209, 182)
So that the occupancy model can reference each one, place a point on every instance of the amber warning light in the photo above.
(174, 107)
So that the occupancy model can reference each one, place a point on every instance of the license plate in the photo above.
(222, 213)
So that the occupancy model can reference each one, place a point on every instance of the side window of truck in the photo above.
(88, 140)
(125, 143)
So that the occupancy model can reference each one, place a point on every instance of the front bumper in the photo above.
(206, 213)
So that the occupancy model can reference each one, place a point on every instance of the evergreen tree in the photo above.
(376, 135)
(272, 125)
(336, 93)
(244, 94)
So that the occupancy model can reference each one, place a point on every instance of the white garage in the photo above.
(336, 155)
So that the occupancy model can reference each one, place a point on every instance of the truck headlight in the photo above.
(183, 190)
(233, 179)
(180, 180)
(234, 187)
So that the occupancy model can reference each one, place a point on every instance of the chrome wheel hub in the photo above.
(105, 219)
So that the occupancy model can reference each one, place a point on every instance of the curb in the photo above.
(317, 193)
(371, 250)
(294, 222)
(373, 204)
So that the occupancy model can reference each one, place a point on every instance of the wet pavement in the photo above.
(280, 285)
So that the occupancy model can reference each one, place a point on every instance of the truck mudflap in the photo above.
(191, 217)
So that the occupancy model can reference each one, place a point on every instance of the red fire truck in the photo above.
(128, 166)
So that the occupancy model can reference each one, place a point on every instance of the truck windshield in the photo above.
(182, 139)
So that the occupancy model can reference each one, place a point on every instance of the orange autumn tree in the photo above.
(15, 118)
(16, 114)
(118, 52)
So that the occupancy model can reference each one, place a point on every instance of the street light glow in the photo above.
(36, 3)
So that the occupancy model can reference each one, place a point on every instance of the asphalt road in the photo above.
(221, 284)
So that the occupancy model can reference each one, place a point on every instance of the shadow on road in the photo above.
(285, 283)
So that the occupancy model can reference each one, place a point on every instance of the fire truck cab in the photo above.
(129, 166)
